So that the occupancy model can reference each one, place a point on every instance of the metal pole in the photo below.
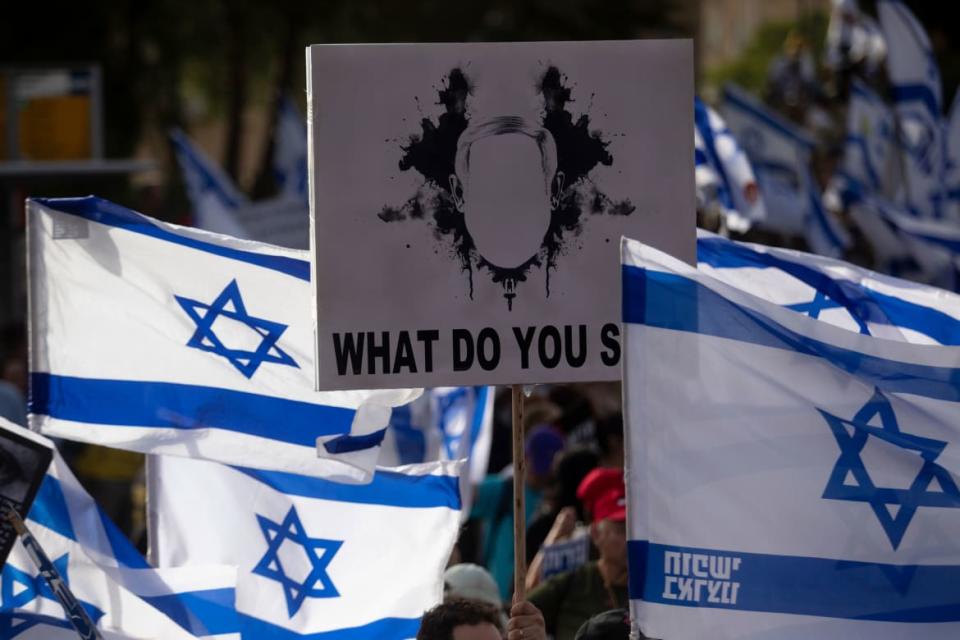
(78, 617)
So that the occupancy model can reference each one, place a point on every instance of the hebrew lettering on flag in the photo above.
(788, 478)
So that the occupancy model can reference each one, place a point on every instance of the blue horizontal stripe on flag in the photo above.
(383, 629)
(388, 488)
(202, 613)
(108, 213)
(799, 585)
(50, 510)
(184, 406)
(670, 301)
(773, 121)
(863, 304)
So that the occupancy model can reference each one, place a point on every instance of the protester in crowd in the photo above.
(13, 375)
(792, 80)
(609, 434)
(493, 503)
(470, 581)
(609, 625)
(473, 620)
(570, 599)
(560, 512)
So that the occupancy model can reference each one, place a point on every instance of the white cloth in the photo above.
(314, 557)
(163, 339)
(123, 596)
(786, 478)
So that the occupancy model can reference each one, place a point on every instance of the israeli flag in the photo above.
(445, 423)
(163, 339)
(723, 172)
(290, 151)
(834, 291)
(780, 155)
(121, 593)
(214, 198)
(316, 559)
(870, 140)
(787, 479)
(219, 206)
(915, 79)
(933, 244)
(952, 134)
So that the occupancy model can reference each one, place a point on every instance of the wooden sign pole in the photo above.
(519, 510)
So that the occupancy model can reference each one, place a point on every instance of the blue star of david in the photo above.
(318, 551)
(13, 623)
(850, 464)
(813, 308)
(229, 304)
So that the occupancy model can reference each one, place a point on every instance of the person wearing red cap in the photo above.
(570, 599)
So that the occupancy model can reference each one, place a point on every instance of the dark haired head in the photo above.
(438, 623)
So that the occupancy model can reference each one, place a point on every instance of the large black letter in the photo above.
(428, 337)
(524, 340)
(491, 336)
(348, 351)
(462, 361)
(554, 358)
(375, 351)
(581, 357)
(609, 336)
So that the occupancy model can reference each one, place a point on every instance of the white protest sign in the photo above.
(467, 201)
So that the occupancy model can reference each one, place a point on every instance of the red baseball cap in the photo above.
(603, 494)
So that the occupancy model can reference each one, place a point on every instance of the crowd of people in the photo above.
(576, 582)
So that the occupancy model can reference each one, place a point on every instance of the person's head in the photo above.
(506, 178)
(468, 581)
(604, 497)
(461, 620)
(609, 434)
(609, 625)
(570, 467)
(13, 356)
(542, 446)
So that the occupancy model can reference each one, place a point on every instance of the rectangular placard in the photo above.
(467, 202)
(24, 459)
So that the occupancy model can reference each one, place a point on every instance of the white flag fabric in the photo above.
(316, 559)
(952, 134)
(786, 478)
(780, 155)
(870, 139)
(915, 82)
(445, 423)
(723, 170)
(219, 206)
(290, 151)
(214, 198)
(162, 339)
(120, 592)
(834, 291)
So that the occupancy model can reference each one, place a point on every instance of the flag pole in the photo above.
(75, 612)
(519, 510)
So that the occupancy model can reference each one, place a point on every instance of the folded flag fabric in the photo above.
(787, 478)
(780, 154)
(121, 593)
(915, 83)
(317, 559)
(834, 291)
(723, 172)
(162, 339)
(219, 206)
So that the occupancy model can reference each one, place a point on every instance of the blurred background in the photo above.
(92, 96)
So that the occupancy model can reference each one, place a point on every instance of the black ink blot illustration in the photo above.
(470, 193)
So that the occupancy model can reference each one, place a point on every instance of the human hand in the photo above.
(526, 623)
(563, 525)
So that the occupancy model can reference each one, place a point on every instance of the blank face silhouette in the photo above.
(503, 187)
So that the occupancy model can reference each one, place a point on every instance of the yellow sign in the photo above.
(55, 128)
